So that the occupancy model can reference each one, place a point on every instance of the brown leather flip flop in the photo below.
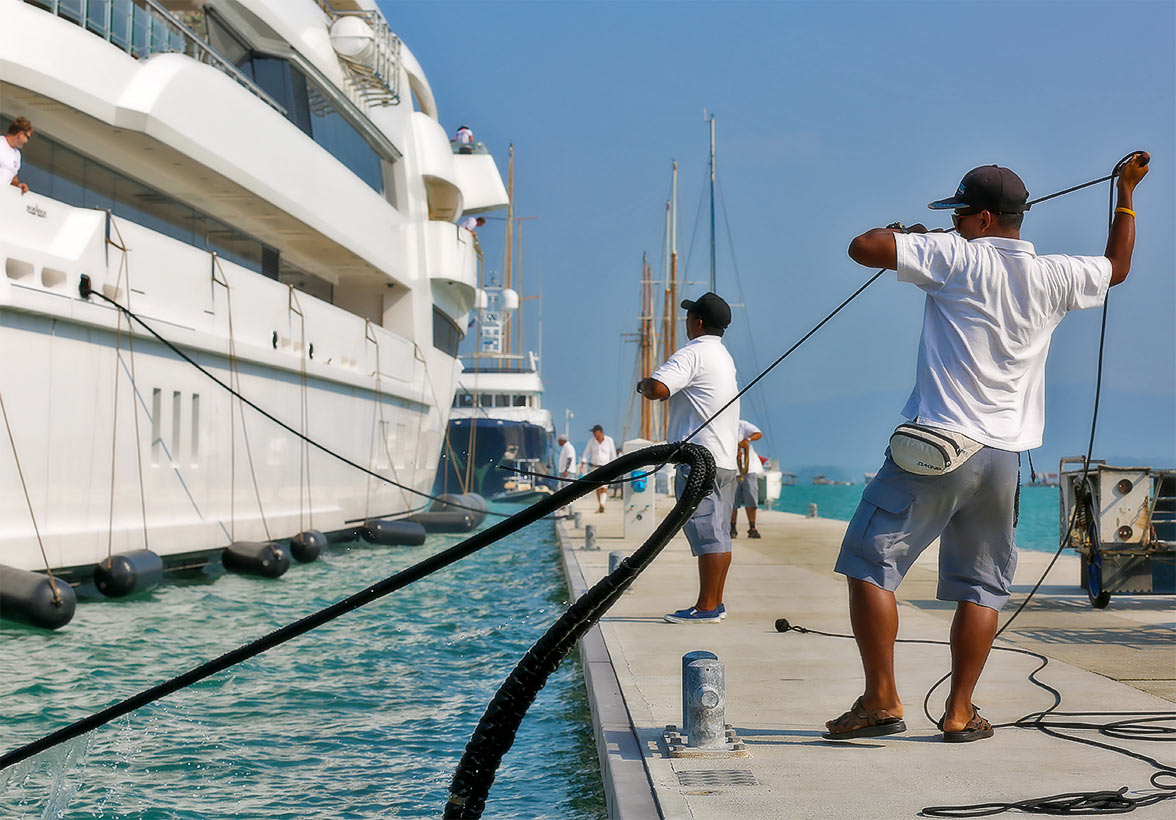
(976, 729)
(863, 722)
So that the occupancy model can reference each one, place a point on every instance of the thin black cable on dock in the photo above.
(578, 619)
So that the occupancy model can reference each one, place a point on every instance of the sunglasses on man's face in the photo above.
(958, 215)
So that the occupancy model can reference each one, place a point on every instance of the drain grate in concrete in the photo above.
(717, 777)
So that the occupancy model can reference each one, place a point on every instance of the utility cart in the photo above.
(1122, 521)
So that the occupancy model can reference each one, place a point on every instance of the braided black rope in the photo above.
(496, 730)
(698, 458)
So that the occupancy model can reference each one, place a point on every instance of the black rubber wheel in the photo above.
(1099, 597)
(1092, 560)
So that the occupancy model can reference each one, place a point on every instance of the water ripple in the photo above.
(365, 717)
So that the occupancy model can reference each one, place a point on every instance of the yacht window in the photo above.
(59, 172)
(304, 281)
(222, 38)
(520, 401)
(310, 108)
(446, 335)
(463, 400)
(502, 401)
(486, 400)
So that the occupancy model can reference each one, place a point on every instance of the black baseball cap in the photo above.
(989, 188)
(711, 308)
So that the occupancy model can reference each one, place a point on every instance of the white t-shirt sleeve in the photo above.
(1085, 280)
(929, 260)
(747, 429)
(678, 371)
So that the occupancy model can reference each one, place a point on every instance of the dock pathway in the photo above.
(781, 688)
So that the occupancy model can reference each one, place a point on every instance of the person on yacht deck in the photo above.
(19, 132)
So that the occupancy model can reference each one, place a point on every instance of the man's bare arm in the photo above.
(653, 390)
(1121, 240)
(875, 249)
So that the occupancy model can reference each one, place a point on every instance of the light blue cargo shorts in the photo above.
(709, 529)
(972, 510)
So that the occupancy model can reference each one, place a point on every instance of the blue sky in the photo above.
(832, 117)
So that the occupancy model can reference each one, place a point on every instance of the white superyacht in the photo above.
(267, 185)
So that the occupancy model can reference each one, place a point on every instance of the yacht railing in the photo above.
(376, 75)
(145, 27)
(468, 147)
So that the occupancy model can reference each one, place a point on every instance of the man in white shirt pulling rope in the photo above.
(992, 304)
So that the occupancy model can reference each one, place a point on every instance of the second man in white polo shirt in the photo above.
(698, 379)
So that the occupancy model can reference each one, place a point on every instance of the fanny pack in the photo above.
(930, 451)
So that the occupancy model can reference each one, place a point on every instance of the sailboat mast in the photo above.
(646, 340)
(509, 261)
(672, 337)
(667, 305)
(712, 203)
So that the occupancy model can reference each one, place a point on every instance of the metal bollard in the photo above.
(706, 704)
(615, 558)
(687, 659)
(576, 519)
(590, 537)
(812, 511)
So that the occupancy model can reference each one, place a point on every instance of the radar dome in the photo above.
(352, 38)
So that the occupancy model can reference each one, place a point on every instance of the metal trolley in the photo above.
(1124, 529)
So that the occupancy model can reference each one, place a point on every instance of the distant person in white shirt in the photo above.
(747, 481)
(464, 139)
(19, 131)
(565, 465)
(698, 379)
(599, 450)
(992, 304)
(567, 458)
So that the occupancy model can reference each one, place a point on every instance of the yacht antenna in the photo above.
(509, 283)
(712, 203)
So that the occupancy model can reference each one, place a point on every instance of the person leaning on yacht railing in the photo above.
(19, 132)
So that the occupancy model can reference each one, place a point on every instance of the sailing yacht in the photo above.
(266, 184)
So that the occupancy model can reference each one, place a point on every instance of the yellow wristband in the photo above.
(1127, 211)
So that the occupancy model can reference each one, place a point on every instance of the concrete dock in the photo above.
(781, 688)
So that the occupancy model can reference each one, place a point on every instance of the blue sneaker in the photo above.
(692, 615)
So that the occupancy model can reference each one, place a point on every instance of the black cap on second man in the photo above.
(990, 188)
(711, 308)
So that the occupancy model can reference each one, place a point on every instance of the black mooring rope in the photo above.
(699, 460)
(496, 730)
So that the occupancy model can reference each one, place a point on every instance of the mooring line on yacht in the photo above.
(294, 305)
(496, 731)
(32, 514)
(86, 289)
(123, 269)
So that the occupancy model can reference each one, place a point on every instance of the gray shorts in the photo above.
(746, 491)
(971, 510)
(709, 529)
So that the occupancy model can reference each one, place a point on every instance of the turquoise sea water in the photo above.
(1037, 528)
(363, 718)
